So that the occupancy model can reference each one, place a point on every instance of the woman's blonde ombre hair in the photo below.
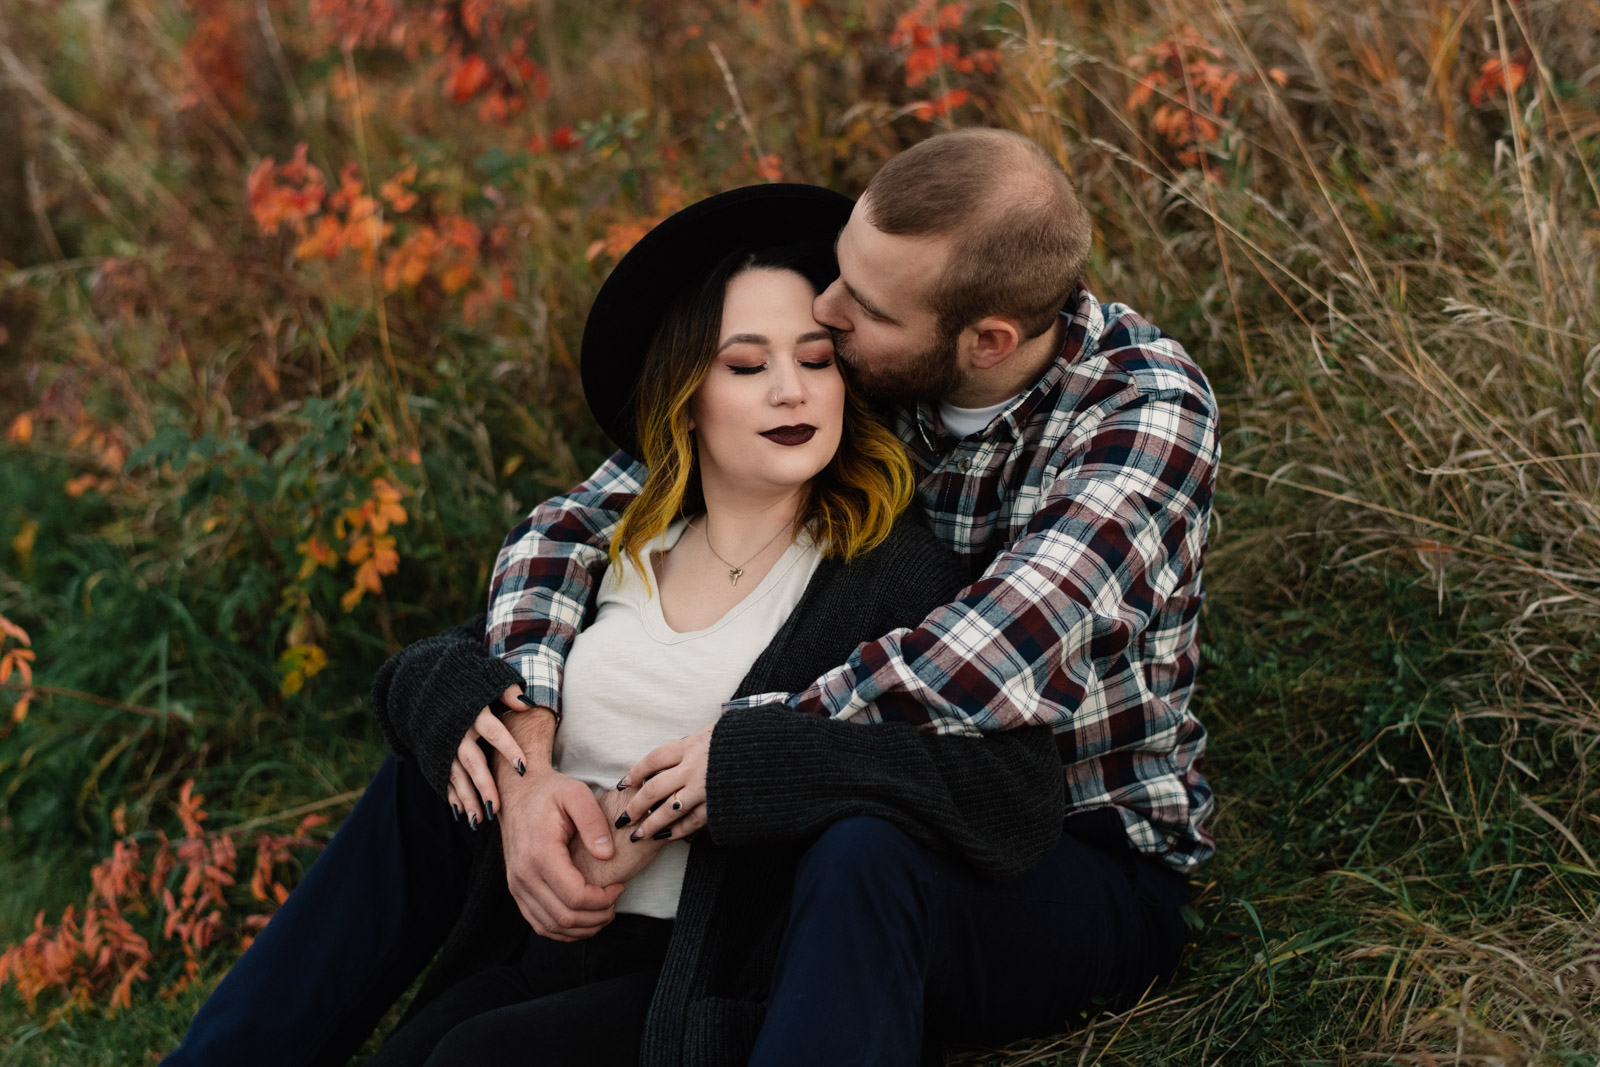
(852, 502)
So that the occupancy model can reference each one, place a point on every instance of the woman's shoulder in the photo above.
(911, 560)
(909, 541)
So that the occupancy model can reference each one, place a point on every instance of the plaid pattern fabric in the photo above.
(1081, 512)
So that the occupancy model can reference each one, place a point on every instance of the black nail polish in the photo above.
(623, 820)
(489, 805)
(656, 805)
(634, 837)
(622, 783)
(456, 811)
(661, 835)
(473, 819)
(521, 768)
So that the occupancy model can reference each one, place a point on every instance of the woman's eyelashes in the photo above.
(756, 368)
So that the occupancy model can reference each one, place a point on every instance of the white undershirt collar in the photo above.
(964, 422)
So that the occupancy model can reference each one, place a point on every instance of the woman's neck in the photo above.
(741, 523)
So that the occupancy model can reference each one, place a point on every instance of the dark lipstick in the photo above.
(790, 435)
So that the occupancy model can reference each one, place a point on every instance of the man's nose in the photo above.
(828, 304)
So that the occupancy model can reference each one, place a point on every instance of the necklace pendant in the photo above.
(734, 574)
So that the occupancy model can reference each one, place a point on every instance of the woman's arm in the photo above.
(428, 695)
(779, 775)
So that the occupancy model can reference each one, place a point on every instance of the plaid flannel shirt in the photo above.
(1081, 511)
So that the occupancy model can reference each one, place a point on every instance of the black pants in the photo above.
(582, 1002)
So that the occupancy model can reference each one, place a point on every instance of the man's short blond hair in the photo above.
(1020, 235)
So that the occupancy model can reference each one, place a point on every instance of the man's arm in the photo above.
(1119, 528)
(546, 574)
(544, 578)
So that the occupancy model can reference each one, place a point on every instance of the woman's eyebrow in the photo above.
(814, 335)
(746, 339)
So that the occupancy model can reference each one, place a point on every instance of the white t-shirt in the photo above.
(964, 422)
(632, 683)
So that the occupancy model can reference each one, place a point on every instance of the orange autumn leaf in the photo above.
(284, 193)
(1496, 76)
(396, 193)
(20, 661)
(324, 242)
(21, 429)
(386, 507)
(81, 485)
(189, 811)
(12, 630)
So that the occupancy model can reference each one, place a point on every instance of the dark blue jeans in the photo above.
(887, 940)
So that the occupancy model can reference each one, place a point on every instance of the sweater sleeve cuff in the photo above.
(439, 733)
(764, 769)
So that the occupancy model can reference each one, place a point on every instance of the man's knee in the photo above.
(861, 856)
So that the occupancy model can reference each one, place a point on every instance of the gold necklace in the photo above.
(735, 570)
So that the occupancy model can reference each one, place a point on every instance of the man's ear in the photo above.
(991, 341)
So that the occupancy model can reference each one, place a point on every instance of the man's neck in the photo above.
(1013, 376)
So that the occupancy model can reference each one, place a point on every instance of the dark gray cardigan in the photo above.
(775, 780)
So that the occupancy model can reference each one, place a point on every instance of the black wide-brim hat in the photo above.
(673, 258)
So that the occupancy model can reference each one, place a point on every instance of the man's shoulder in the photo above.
(1135, 351)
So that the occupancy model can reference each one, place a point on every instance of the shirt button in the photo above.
(963, 465)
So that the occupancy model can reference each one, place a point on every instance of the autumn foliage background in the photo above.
(290, 292)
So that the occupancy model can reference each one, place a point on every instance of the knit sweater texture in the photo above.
(775, 780)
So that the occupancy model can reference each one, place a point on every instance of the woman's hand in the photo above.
(471, 780)
(671, 798)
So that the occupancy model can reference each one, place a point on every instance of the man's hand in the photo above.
(631, 856)
(543, 813)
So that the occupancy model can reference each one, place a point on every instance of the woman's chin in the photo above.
(769, 481)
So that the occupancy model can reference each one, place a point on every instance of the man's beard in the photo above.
(930, 375)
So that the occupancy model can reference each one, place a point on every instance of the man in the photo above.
(1067, 452)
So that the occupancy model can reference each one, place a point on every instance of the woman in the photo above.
(760, 551)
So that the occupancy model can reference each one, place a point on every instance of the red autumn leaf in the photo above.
(1494, 75)
(468, 79)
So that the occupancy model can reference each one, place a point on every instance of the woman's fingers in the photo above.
(667, 824)
(671, 797)
(492, 730)
(470, 756)
(513, 698)
(654, 762)
(653, 792)
(454, 799)
(681, 781)
(466, 793)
